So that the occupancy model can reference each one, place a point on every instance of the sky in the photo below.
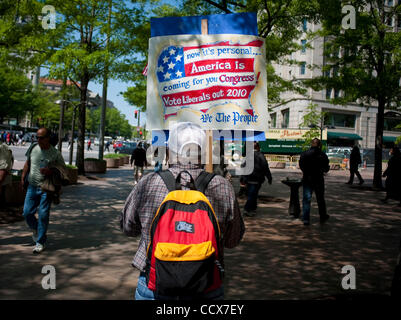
(115, 87)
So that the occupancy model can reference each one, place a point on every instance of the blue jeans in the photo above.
(308, 188)
(253, 191)
(144, 293)
(37, 200)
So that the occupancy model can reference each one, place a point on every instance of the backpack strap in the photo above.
(29, 151)
(203, 180)
(168, 179)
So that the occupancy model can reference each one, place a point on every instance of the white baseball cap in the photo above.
(185, 133)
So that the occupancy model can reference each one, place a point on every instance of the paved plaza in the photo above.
(279, 258)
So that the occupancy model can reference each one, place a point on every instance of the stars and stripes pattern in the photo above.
(170, 65)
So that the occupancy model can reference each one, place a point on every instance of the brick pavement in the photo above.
(277, 259)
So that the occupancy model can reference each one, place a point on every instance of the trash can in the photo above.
(294, 184)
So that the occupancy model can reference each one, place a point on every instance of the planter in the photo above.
(73, 175)
(112, 162)
(95, 166)
(121, 161)
(13, 194)
(126, 159)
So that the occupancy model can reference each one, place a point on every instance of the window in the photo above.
(389, 19)
(273, 119)
(390, 3)
(335, 71)
(305, 25)
(286, 118)
(336, 93)
(328, 93)
(340, 120)
(391, 121)
(302, 68)
(303, 44)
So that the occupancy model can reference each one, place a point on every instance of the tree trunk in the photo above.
(81, 126)
(377, 177)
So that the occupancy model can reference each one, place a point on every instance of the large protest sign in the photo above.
(217, 81)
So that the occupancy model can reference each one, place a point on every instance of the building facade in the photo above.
(346, 125)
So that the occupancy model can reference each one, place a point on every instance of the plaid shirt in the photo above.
(146, 197)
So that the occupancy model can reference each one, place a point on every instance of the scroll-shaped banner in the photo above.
(217, 81)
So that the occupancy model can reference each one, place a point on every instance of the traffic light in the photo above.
(136, 114)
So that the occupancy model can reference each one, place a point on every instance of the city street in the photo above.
(278, 258)
(311, 84)
(19, 153)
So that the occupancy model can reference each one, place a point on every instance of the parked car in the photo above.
(29, 137)
(339, 152)
(126, 147)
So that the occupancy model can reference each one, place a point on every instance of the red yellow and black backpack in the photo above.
(183, 255)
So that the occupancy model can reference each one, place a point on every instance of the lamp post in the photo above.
(75, 106)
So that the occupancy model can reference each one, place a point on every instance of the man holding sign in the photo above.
(146, 197)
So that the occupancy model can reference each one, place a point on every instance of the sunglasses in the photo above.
(41, 137)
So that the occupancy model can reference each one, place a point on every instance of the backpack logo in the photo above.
(183, 226)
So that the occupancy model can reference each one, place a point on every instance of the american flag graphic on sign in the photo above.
(200, 77)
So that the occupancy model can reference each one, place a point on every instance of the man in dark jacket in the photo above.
(138, 157)
(354, 161)
(255, 180)
(314, 163)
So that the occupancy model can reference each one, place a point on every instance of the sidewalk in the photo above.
(277, 259)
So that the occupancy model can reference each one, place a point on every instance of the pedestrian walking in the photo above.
(314, 163)
(6, 164)
(19, 140)
(138, 158)
(8, 138)
(354, 162)
(393, 176)
(107, 146)
(255, 180)
(89, 144)
(142, 209)
(41, 157)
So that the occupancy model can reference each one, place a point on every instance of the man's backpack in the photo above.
(184, 249)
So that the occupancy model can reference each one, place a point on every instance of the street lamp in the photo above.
(75, 106)
(61, 124)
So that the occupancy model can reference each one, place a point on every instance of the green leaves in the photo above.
(366, 59)
(313, 119)
(115, 125)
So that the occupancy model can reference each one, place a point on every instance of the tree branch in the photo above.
(217, 5)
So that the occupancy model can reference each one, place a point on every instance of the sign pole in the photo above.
(209, 133)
